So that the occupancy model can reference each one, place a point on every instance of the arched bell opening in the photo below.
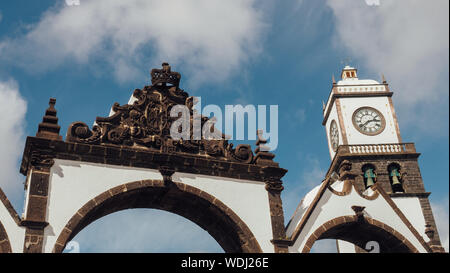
(395, 178)
(369, 175)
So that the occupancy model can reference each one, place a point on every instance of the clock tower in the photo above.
(362, 128)
(359, 112)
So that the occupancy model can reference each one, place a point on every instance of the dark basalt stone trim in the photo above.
(37, 204)
(34, 240)
(282, 242)
(411, 194)
(333, 226)
(277, 221)
(5, 245)
(9, 207)
(142, 158)
(33, 224)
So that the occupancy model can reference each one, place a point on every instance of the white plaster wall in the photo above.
(72, 184)
(348, 107)
(248, 199)
(410, 206)
(345, 247)
(331, 206)
(16, 234)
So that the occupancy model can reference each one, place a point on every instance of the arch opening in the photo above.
(365, 234)
(143, 231)
(230, 232)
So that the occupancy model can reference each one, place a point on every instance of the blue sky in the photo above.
(228, 52)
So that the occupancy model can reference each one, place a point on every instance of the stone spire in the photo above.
(383, 79)
(49, 127)
(263, 156)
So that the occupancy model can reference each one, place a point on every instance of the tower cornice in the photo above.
(336, 95)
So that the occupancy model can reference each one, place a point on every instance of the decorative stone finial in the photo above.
(359, 212)
(49, 127)
(345, 170)
(263, 156)
(167, 173)
(165, 76)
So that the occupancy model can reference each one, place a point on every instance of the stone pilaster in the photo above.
(274, 187)
(36, 210)
(41, 160)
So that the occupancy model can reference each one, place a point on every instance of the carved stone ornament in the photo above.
(272, 177)
(359, 212)
(274, 186)
(42, 160)
(345, 170)
(147, 122)
(429, 231)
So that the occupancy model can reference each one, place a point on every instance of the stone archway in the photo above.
(5, 245)
(211, 214)
(360, 231)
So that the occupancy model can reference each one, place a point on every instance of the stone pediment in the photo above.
(138, 135)
(146, 124)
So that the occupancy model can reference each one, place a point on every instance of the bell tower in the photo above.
(362, 127)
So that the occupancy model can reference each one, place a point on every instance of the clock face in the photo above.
(334, 135)
(368, 121)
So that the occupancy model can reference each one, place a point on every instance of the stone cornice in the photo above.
(143, 158)
(410, 194)
(343, 154)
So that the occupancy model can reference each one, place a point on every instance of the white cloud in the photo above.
(139, 34)
(12, 123)
(408, 41)
(441, 216)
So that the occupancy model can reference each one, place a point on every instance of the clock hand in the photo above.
(365, 123)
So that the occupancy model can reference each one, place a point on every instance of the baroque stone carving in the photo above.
(345, 170)
(272, 177)
(42, 159)
(147, 122)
